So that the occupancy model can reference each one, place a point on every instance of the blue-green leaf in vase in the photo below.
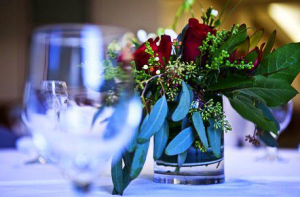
(133, 141)
(156, 119)
(199, 126)
(214, 138)
(117, 173)
(185, 123)
(191, 94)
(184, 104)
(160, 140)
(139, 159)
(181, 142)
(181, 158)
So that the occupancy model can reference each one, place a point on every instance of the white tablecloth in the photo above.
(244, 177)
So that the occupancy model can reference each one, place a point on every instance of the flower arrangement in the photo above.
(181, 81)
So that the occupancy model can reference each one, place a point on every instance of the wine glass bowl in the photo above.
(79, 102)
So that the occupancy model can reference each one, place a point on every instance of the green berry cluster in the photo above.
(240, 64)
(219, 61)
(198, 144)
(213, 110)
(153, 60)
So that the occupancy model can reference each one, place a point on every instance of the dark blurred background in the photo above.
(19, 17)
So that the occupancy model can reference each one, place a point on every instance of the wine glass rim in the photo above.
(54, 81)
(73, 27)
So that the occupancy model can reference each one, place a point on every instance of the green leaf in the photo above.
(245, 106)
(268, 114)
(139, 159)
(214, 138)
(133, 141)
(160, 140)
(273, 91)
(156, 119)
(253, 55)
(184, 104)
(199, 126)
(181, 158)
(283, 63)
(230, 82)
(117, 174)
(242, 49)
(181, 142)
(268, 139)
(233, 41)
(270, 44)
(255, 38)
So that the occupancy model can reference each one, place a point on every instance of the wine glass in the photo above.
(283, 114)
(56, 99)
(79, 102)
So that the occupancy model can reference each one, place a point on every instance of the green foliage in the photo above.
(178, 96)
(268, 139)
(238, 37)
(274, 92)
(246, 107)
(283, 63)
(113, 72)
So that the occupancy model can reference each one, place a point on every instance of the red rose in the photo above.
(194, 37)
(163, 50)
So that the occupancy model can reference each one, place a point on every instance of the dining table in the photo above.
(246, 172)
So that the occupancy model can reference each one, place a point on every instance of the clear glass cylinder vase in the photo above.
(199, 168)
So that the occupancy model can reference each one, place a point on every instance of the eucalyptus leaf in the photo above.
(184, 104)
(200, 128)
(97, 114)
(245, 106)
(185, 123)
(214, 138)
(160, 140)
(139, 159)
(156, 119)
(117, 174)
(133, 141)
(181, 142)
(181, 158)
(114, 125)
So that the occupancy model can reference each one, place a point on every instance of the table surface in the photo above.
(245, 176)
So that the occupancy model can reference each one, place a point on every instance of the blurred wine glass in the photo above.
(79, 102)
(283, 114)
